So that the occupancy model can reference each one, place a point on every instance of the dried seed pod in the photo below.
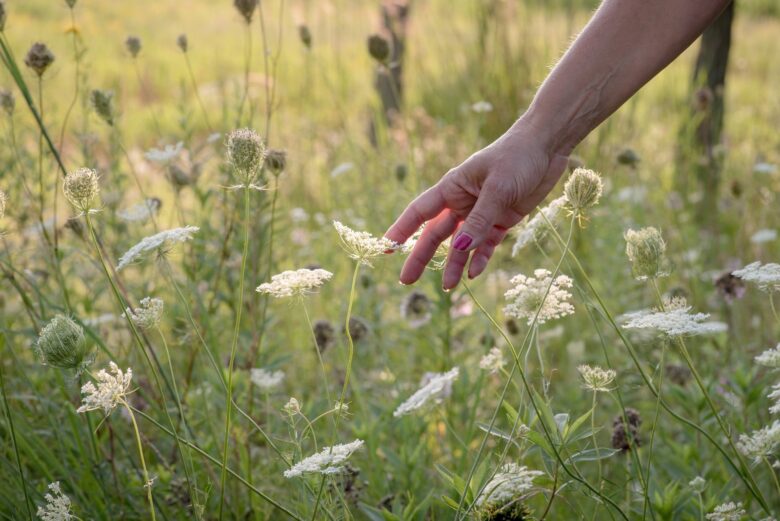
(133, 45)
(246, 8)
(39, 58)
(379, 48)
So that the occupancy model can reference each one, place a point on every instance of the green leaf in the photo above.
(593, 454)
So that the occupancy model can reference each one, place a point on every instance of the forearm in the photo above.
(625, 44)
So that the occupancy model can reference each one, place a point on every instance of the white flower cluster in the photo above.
(140, 212)
(158, 240)
(535, 227)
(596, 378)
(540, 292)
(675, 320)
(511, 481)
(265, 379)
(362, 246)
(493, 361)
(761, 443)
(775, 395)
(766, 277)
(148, 313)
(433, 391)
(295, 283)
(164, 155)
(110, 390)
(770, 358)
(57, 507)
(328, 461)
(727, 512)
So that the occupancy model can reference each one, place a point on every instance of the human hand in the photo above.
(478, 201)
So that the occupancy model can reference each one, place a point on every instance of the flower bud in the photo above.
(102, 103)
(583, 189)
(62, 344)
(379, 48)
(645, 249)
(7, 101)
(245, 153)
(81, 187)
(38, 58)
(182, 42)
(276, 160)
(305, 35)
(246, 8)
(133, 44)
(292, 406)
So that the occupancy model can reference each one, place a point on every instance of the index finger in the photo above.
(425, 207)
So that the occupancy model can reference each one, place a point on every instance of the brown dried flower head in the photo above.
(39, 58)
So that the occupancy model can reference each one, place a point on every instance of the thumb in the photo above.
(479, 222)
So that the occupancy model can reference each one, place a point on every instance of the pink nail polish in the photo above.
(462, 242)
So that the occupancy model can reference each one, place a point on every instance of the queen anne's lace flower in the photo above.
(727, 512)
(596, 378)
(535, 227)
(528, 295)
(698, 484)
(766, 277)
(164, 155)
(328, 461)
(362, 246)
(775, 395)
(57, 507)
(675, 320)
(493, 361)
(760, 443)
(158, 240)
(770, 358)
(510, 481)
(431, 392)
(148, 313)
(111, 389)
(265, 379)
(295, 283)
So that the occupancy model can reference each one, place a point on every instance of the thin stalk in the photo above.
(147, 481)
(151, 107)
(772, 307)
(351, 352)
(247, 62)
(317, 350)
(772, 473)
(195, 91)
(595, 446)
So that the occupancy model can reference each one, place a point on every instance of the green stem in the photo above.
(595, 446)
(319, 354)
(147, 481)
(351, 344)
(773, 474)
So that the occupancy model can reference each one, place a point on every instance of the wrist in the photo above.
(553, 136)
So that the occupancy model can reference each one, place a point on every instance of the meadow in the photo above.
(199, 318)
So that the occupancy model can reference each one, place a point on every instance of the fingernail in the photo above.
(462, 242)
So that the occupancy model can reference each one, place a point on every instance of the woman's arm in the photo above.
(626, 43)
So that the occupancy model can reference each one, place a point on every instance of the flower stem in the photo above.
(147, 481)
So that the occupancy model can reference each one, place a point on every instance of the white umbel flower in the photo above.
(761, 443)
(775, 396)
(764, 235)
(675, 320)
(727, 512)
(362, 246)
(265, 379)
(111, 389)
(535, 227)
(164, 155)
(295, 283)
(597, 379)
(158, 240)
(328, 461)
(527, 295)
(148, 313)
(698, 484)
(431, 392)
(493, 361)
(511, 481)
(766, 277)
(57, 507)
(770, 358)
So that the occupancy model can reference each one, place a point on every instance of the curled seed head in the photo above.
(304, 33)
(62, 344)
(625, 432)
(325, 334)
(629, 157)
(182, 42)
(358, 329)
(81, 187)
(102, 102)
(7, 101)
(583, 189)
(133, 45)
(245, 152)
(645, 249)
(379, 48)
(246, 8)
(416, 308)
(38, 58)
(276, 160)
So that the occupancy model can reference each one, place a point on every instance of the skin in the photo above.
(623, 46)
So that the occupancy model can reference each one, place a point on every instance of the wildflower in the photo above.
(431, 392)
(775, 395)
(276, 160)
(539, 294)
(511, 481)
(292, 406)
(153, 242)
(727, 512)
(110, 391)
(341, 407)
(328, 461)
(416, 309)
(674, 320)
(296, 283)
(133, 45)
(182, 43)
(57, 507)
(730, 287)
(582, 190)
(358, 329)
(379, 48)
(39, 58)
(265, 379)
(102, 102)
(361, 246)
(625, 432)
(770, 358)
(304, 33)
(324, 334)
(81, 187)
(645, 249)
(596, 378)
(7, 101)
(246, 8)
(482, 107)
(140, 212)
(761, 443)
(766, 277)
(493, 361)
(245, 153)
(165, 155)
(148, 313)
(61, 343)
(698, 484)
(534, 228)
(762, 236)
